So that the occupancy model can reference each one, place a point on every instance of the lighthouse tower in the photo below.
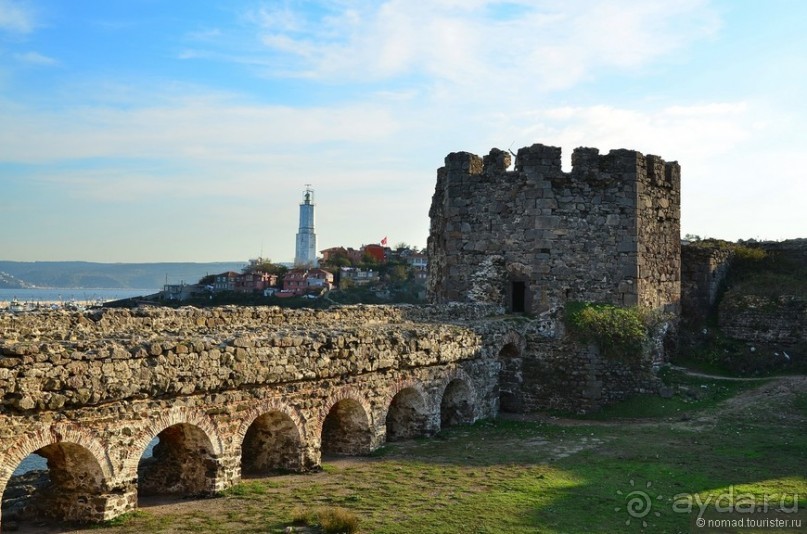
(306, 253)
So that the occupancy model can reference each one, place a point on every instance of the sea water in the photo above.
(34, 462)
(77, 294)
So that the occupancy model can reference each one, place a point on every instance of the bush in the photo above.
(619, 332)
(302, 516)
(744, 253)
(331, 520)
(335, 520)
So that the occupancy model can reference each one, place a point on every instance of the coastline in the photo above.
(47, 298)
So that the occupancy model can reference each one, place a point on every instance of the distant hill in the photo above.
(8, 281)
(65, 274)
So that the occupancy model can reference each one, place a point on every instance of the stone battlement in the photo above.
(544, 163)
(535, 237)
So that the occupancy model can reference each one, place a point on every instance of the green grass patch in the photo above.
(690, 395)
(247, 489)
(136, 516)
(800, 403)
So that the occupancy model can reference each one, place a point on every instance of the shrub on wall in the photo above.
(619, 332)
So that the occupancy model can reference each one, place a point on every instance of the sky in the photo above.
(187, 131)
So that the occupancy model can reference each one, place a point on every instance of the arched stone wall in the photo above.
(192, 449)
(301, 375)
(511, 376)
(458, 399)
(408, 412)
(79, 485)
(346, 425)
(272, 436)
(181, 464)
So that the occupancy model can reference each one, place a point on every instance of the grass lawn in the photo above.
(738, 443)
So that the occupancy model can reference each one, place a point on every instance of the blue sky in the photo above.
(186, 131)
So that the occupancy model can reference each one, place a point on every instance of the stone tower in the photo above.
(306, 251)
(532, 238)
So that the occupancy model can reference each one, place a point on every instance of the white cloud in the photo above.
(35, 58)
(735, 182)
(203, 128)
(696, 131)
(15, 17)
(547, 45)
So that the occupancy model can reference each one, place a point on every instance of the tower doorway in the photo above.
(518, 297)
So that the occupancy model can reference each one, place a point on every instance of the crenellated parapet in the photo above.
(607, 231)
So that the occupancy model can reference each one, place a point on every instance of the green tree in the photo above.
(398, 273)
(262, 265)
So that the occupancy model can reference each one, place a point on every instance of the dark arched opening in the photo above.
(456, 406)
(406, 416)
(510, 379)
(61, 482)
(272, 443)
(346, 429)
(181, 463)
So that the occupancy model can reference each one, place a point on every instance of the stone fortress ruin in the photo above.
(535, 237)
(234, 390)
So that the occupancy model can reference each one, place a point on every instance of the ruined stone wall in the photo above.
(54, 360)
(780, 321)
(606, 232)
(208, 433)
(704, 267)
(225, 389)
(579, 379)
(659, 233)
(777, 316)
(542, 368)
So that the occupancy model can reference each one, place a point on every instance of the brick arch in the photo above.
(400, 385)
(451, 376)
(82, 445)
(512, 338)
(272, 436)
(457, 374)
(58, 433)
(344, 393)
(174, 416)
(349, 442)
(417, 427)
(268, 406)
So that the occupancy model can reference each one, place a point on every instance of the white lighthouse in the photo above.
(306, 253)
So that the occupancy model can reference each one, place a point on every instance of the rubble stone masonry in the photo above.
(535, 237)
(224, 389)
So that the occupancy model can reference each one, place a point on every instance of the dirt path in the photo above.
(731, 378)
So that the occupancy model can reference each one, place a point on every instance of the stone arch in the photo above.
(510, 357)
(407, 411)
(271, 437)
(184, 462)
(346, 425)
(76, 486)
(42, 437)
(458, 400)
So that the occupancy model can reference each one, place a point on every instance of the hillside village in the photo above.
(374, 267)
